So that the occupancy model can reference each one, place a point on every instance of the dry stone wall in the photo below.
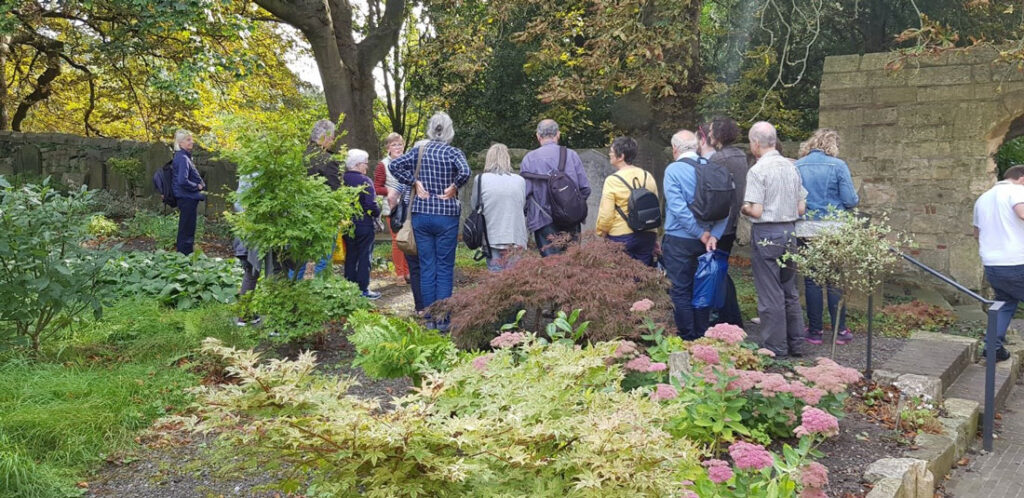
(77, 160)
(920, 142)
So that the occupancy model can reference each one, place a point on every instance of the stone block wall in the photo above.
(920, 142)
(77, 160)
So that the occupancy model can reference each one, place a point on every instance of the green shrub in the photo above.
(131, 169)
(46, 277)
(390, 347)
(175, 279)
(101, 226)
(297, 310)
(162, 228)
(115, 205)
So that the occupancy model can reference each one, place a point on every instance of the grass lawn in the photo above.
(87, 397)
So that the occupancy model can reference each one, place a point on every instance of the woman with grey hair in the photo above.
(359, 244)
(503, 194)
(187, 186)
(320, 162)
(436, 170)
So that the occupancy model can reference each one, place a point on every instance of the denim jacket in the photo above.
(828, 183)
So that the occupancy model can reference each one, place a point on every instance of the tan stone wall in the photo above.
(920, 141)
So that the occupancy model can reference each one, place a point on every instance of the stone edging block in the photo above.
(900, 478)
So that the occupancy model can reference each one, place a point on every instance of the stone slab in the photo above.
(934, 358)
(938, 450)
(971, 383)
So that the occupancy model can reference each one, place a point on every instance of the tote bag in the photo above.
(404, 239)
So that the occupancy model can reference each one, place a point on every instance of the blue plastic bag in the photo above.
(709, 281)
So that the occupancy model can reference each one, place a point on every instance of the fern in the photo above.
(389, 347)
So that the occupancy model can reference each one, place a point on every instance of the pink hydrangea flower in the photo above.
(642, 306)
(706, 354)
(766, 352)
(480, 362)
(816, 421)
(829, 375)
(644, 364)
(750, 456)
(727, 333)
(814, 475)
(624, 349)
(507, 340)
(718, 470)
(664, 391)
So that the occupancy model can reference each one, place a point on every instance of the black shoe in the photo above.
(1001, 354)
(796, 354)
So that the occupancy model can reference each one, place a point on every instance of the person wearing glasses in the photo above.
(384, 182)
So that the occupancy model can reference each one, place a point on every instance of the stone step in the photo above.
(971, 383)
(932, 355)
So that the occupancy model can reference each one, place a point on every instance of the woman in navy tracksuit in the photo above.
(187, 186)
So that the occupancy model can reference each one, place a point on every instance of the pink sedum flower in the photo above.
(750, 456)
(816, 421)
(766, 352)
(644, 364)
(624, 349)
(772, 384)
(829, 375)
(507, 340)
(664, 391)
(809, 395)
(814, 475)
(746, 380)
(719, 471)
(642, 306)
(706, 354)
(726, 332)
(480, 362)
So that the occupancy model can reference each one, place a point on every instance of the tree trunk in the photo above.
(5, 48)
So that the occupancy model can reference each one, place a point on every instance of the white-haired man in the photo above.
(359, 244)
(686, 237)
(773, 201)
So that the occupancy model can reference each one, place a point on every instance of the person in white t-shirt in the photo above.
(999, 227)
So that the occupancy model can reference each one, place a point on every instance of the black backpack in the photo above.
(568, 206)
(474, 228)
(715, 191)
(162, 183)
(644, 207)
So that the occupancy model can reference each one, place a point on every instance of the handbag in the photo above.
(474, 228)
(338, 257)
(404, 239)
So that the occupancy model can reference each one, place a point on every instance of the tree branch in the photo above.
(382, 37)
(41, 92)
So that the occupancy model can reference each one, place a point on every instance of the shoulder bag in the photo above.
(404, 239)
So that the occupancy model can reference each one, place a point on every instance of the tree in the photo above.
(345, 65)
(398, 110)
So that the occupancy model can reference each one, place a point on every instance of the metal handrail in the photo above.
(988, 425)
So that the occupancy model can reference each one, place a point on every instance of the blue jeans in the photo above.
(187, 225)
(358, 249)
(436, 238)
(679, 257)
(639, 246)
(500, 260)
(815, 306)
(546, 248)
(1008, 282)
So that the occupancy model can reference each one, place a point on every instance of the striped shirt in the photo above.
(443, 165)
(774, 183)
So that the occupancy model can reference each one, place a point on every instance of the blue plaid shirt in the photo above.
(443, 165)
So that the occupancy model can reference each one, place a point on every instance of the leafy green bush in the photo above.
(101, 226)
(46, 277)
(298, 310)
(162, 228)
(390, 347)
(175, 279)
(131, 169)
(115, 205)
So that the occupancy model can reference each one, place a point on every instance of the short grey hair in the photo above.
(321, 129)
(180, 136)
(355, 158)
(498, 161)
(547, 128)
(763, 133)
(685, 140)
(440, 128)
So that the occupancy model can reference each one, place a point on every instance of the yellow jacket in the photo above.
(615, 193)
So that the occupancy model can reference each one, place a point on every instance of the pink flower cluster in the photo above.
(813, 493)
(706, 354)
(480, 362)
(664, 391)
(644, 364)
(766, 352)
(816, 421)
(829, 375)
(750, 456)
(719, 471)
(771, 384)
(624, 349)
(507, 340)
(642, 305)
(726, 332)
(814, 475)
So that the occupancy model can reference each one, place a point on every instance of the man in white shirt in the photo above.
(999, 227)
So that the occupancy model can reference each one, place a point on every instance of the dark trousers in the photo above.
(250, 275)
(357, 260)
(679, 257)
(778, 302)
(414, 280)
(816, 306)
(542, 237)
(187, 225)
(639, 246)
(1008, 282)
(730, 312)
